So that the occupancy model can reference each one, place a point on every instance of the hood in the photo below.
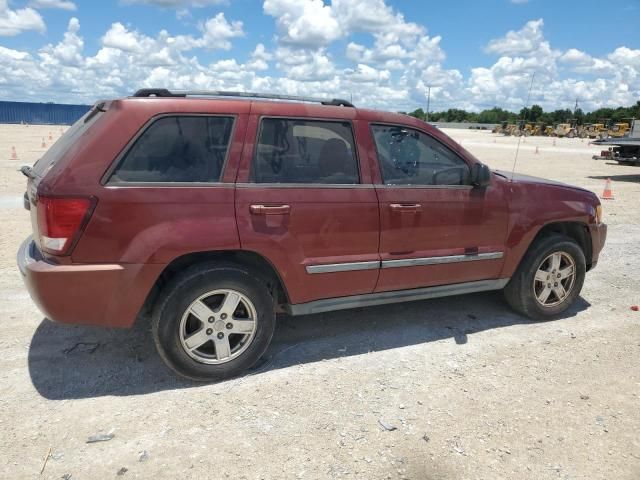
(521, 178)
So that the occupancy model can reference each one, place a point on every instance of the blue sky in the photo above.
(474, 54)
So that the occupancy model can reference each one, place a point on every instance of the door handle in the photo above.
(405, 207)
(270, 209)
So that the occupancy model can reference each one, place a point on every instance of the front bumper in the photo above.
(598, 238)
(109, 295)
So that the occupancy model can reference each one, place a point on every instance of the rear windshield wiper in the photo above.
(97, 108)
(28, 172)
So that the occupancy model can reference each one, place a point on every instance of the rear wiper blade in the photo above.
(97, 108)
(28, 172)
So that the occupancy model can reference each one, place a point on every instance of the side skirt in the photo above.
(370, 299)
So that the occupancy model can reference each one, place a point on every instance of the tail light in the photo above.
(61, 220)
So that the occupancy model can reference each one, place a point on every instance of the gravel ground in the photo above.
(456, 388)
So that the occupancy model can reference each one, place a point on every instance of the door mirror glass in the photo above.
(480, 175)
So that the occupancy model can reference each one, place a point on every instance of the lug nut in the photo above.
(555, 284)
(221, 335)
(549, 285)
(229, 326)
(223, 316)
(211, 319)
(209, 331)
(559, 275)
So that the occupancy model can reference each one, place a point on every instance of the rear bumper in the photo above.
(109, 295)
(598, 238)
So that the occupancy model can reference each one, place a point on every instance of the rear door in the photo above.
(306, 203)
(436, 228)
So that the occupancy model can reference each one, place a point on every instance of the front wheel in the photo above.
(549, 279)
(213, 322)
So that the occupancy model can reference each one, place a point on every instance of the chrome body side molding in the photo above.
(404, 262)
(414, 262)
(370, 299)
(343, 267)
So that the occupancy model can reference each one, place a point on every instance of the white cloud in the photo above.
(14, 22)
(361, 49)
(217, 32)
(521, 42)
(304, 22)
(61, 4)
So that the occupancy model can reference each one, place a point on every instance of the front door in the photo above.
(308, 206)
(436, 228)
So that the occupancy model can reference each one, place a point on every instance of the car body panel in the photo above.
(333, 242)
(327, 224)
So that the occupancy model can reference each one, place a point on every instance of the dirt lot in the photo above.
(469, 389)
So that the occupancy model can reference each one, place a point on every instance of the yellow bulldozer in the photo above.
(619, 130)
(510, 129)
(500, 128)
(594, 130)
(565, 130)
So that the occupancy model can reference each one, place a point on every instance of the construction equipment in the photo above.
(526, 129)
(510, 129)
(565, 130)
(622, 129)
(595, 130)
(499, 128)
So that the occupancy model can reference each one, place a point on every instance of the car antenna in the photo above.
(526, 106)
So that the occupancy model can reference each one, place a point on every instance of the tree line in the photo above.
(533, 115)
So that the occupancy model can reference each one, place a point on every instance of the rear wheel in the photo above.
(213, 322)
(549, 279)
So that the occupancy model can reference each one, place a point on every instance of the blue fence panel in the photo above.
(41, 113)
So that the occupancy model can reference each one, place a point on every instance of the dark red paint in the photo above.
(134, 232)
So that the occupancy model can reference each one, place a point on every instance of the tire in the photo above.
(523, 288)
(209, 290)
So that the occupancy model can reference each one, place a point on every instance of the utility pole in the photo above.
(428, 101)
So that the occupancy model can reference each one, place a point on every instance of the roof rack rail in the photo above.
(163, 92)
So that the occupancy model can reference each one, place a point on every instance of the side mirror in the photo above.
(480, 175)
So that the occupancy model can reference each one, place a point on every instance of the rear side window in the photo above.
(305, 151)
(410, 157)
(178, 149)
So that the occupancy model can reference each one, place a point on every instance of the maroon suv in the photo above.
(213, 213)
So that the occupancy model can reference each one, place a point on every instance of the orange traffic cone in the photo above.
(14, 155)
(43, 145)
(608, 191)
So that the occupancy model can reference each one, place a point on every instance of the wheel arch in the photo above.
(253, 261)
(577, 231)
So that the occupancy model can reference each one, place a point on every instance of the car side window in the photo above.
(305, 151)
(410, 157)
(178, 149)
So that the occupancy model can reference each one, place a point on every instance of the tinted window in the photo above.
(73, 134)
(409, 157)
(305, 151)
(178, 149)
